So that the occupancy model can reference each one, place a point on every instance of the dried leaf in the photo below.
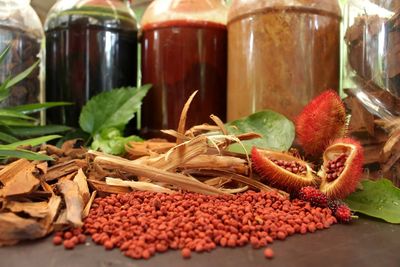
(73, 201)
(231, 164)
(182, 120)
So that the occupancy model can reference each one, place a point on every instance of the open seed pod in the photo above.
(342, 168)
(283, 170)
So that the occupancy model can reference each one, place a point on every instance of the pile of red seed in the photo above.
(69, 239)
(143, 223)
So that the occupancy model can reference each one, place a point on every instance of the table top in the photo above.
(365, 242)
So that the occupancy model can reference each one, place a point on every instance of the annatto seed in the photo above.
(143, 223)
(57, 240)
(268, 253)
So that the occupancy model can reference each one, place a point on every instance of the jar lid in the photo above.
(243, 7)
(188, 10)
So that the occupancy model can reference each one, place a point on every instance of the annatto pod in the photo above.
(342, 168)
(283, 170)
(321, 121)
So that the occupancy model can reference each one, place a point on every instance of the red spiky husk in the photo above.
(314, 196)
(277, 176)
(348, 180)
(320, 122)
(343, 213)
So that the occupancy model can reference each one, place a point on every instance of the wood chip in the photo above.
(81, 180)
(34, 209)
(86, 210)
(73, 201)
(17, 179)
(63, 169)
(14, 228)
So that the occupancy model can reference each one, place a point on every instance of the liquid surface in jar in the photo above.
(83, 60)
(178, 58)
(280, 59)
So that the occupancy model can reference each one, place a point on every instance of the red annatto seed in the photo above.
(67, 235)
(268, 253)
(143, 223)
(186, 253)
(57, 240)
(82, 238)
(68, 244)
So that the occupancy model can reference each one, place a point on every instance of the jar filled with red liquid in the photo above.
(184, 49)
(91, 47)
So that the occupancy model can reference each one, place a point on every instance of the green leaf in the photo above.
(25, 154)
(4, 91)
(6, 113)
(112, 142)
(114, 108)
(379, 199)
(33, 108)
(16, 122)
(33, 131)
(278, 132)
(30, 142)
(6, 138)
(4, 53)
(13, 81)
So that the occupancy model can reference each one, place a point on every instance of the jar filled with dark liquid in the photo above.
(184, 49)
(91, 47)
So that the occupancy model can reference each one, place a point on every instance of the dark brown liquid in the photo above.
(179, 58)
(83, 60)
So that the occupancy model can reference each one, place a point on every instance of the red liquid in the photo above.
(178, 58)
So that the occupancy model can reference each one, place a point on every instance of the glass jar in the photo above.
(184, 49)
(281, 54)
(140, 6)
(20, 27)
(371, 80)
(91, 47)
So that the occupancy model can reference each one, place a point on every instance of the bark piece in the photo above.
(86, 210)
(17, 179)
(63, 169)
(81, 180)
(34, 209)
(14, 228)
(73, 201)
(104, 188)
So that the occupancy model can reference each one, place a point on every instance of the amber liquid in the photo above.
(179, 58)
(83, 60)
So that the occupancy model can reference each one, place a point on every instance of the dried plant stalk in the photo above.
(73, 201)
(180, 154)
(102, 187)
(158, 175)
(146, 148)
(141, 186)
(182, 120)
(231, 164)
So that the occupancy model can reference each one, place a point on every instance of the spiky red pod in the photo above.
(282, 170)
(342, 168)
(320, 122)
(314, 196)
(343, 213)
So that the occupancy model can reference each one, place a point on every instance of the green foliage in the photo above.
(111, 141)
(112, 109)
(15, 123)
(277, 131)
(379, 199)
